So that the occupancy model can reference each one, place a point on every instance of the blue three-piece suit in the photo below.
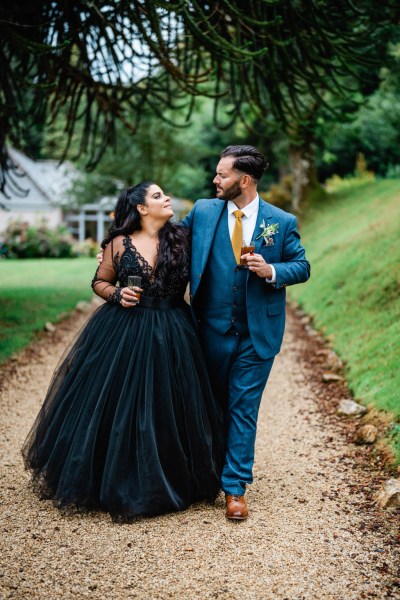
(241, 319)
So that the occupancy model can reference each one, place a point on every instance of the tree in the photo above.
(106, 60)
(180, 160)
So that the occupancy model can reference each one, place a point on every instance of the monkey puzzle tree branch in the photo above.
(97, 57)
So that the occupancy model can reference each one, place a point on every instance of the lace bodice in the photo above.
(121, 259)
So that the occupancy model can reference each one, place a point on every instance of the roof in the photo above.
(46, 181)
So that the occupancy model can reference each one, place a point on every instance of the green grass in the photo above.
(34, 291)
(352, 242)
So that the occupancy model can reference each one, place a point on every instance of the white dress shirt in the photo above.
(249, 220)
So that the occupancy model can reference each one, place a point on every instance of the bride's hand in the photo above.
(129, 297)
(100, 257)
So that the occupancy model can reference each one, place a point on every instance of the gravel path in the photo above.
(313, 532)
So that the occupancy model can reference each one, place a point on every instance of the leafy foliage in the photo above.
(181, 160)
(107, 61)
(22, 240)
(374, 131)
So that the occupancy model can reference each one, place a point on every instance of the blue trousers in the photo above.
(238, 377)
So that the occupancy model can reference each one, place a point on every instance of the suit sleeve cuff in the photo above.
(273, 278)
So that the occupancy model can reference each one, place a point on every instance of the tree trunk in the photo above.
(304, 174)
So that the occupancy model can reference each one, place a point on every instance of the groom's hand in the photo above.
(256, 263)
(100, 257)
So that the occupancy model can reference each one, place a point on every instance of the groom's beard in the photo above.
(231, 193)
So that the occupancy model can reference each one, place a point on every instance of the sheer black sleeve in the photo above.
(105, 278)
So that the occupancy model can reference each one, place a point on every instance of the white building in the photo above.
(47, 184)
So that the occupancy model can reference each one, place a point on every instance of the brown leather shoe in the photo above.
(236, 508)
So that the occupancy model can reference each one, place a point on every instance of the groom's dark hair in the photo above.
(248, 159)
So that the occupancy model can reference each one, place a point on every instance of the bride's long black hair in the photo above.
(174, 243)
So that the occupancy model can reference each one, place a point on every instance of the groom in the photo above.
(241, 311)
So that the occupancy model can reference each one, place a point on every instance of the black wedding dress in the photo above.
(129, 424)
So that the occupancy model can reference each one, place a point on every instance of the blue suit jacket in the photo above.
(265, 302)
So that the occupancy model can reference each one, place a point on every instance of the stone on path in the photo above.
(349, 408)
(306, 320)
(333, 361)
(388, 496)
(49, 327)
(311, 331)
(331, 377)
(366, 434)
(83, 306)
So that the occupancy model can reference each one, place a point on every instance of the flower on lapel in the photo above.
(267, 232)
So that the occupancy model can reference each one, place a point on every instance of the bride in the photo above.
(129, 424)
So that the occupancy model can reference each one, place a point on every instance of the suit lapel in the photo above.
(210, 228)
(264, 213)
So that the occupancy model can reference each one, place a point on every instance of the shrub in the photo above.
(23, 240)
(280, 194)
(361, 176)
(88, 247)
(393, 172)
(338, 184)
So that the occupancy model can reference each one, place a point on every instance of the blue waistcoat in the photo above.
(227, 312)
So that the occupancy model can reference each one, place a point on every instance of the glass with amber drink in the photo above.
(134, 281)
(248, 247)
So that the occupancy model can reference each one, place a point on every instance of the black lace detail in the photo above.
(131, 262)
(146, 269)
(115, 297)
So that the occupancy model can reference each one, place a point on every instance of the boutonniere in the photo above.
(267, 232)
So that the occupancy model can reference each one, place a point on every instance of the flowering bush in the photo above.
(23, 240)
(88, 248)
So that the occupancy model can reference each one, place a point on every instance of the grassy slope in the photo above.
(352, 242)
(35, 291)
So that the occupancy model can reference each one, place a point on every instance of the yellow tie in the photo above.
(237, 235)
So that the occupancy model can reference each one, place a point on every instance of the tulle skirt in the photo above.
(129, 424)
